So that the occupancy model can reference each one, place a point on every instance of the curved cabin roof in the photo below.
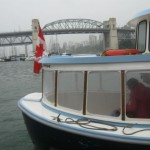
(87, 59)
(145, 14)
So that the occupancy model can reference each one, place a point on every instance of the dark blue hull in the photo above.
(45, 137)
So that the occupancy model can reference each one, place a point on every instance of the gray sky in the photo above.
(17, 15)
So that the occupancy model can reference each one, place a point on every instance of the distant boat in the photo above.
(75, 109)
(13, 58)
(22, 58)
(30, 58)
(7, 59)
(65, 54)
(2, 60)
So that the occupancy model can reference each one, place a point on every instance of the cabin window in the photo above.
(138, 94)
(70, 89)
(48, 86)
(142, 30)
(104, 92)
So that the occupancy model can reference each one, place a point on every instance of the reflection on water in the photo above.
(16, 80)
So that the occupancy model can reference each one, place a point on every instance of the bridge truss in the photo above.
(74, 26)
(16, 38)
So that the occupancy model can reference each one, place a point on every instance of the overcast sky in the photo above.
(17, 14)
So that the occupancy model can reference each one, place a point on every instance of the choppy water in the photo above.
(16, 80)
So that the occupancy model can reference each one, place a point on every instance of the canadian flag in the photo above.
(40, 51)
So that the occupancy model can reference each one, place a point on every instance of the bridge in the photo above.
(69, 26)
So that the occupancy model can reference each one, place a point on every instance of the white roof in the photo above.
(145, 14)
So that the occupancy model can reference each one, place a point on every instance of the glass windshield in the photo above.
(142, 30)
(49, 86)
(70, 89)
(104, 92)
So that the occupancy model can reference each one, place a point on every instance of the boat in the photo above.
(22, 57)
(81, 95)
(2, 60)
(30, 58)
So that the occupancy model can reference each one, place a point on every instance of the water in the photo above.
(16, 80)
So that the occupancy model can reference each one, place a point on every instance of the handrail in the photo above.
(56, 83)
(85, 93)
(123, 95)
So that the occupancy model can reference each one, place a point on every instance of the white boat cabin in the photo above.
(95, 86)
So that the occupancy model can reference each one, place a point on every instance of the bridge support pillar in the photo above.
(26, 51)
(111, 38)
(35, 27)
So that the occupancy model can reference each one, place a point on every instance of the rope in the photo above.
(130, 126)
(85, 123)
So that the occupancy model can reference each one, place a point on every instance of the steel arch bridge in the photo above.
(64, 26)
(73, 24)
